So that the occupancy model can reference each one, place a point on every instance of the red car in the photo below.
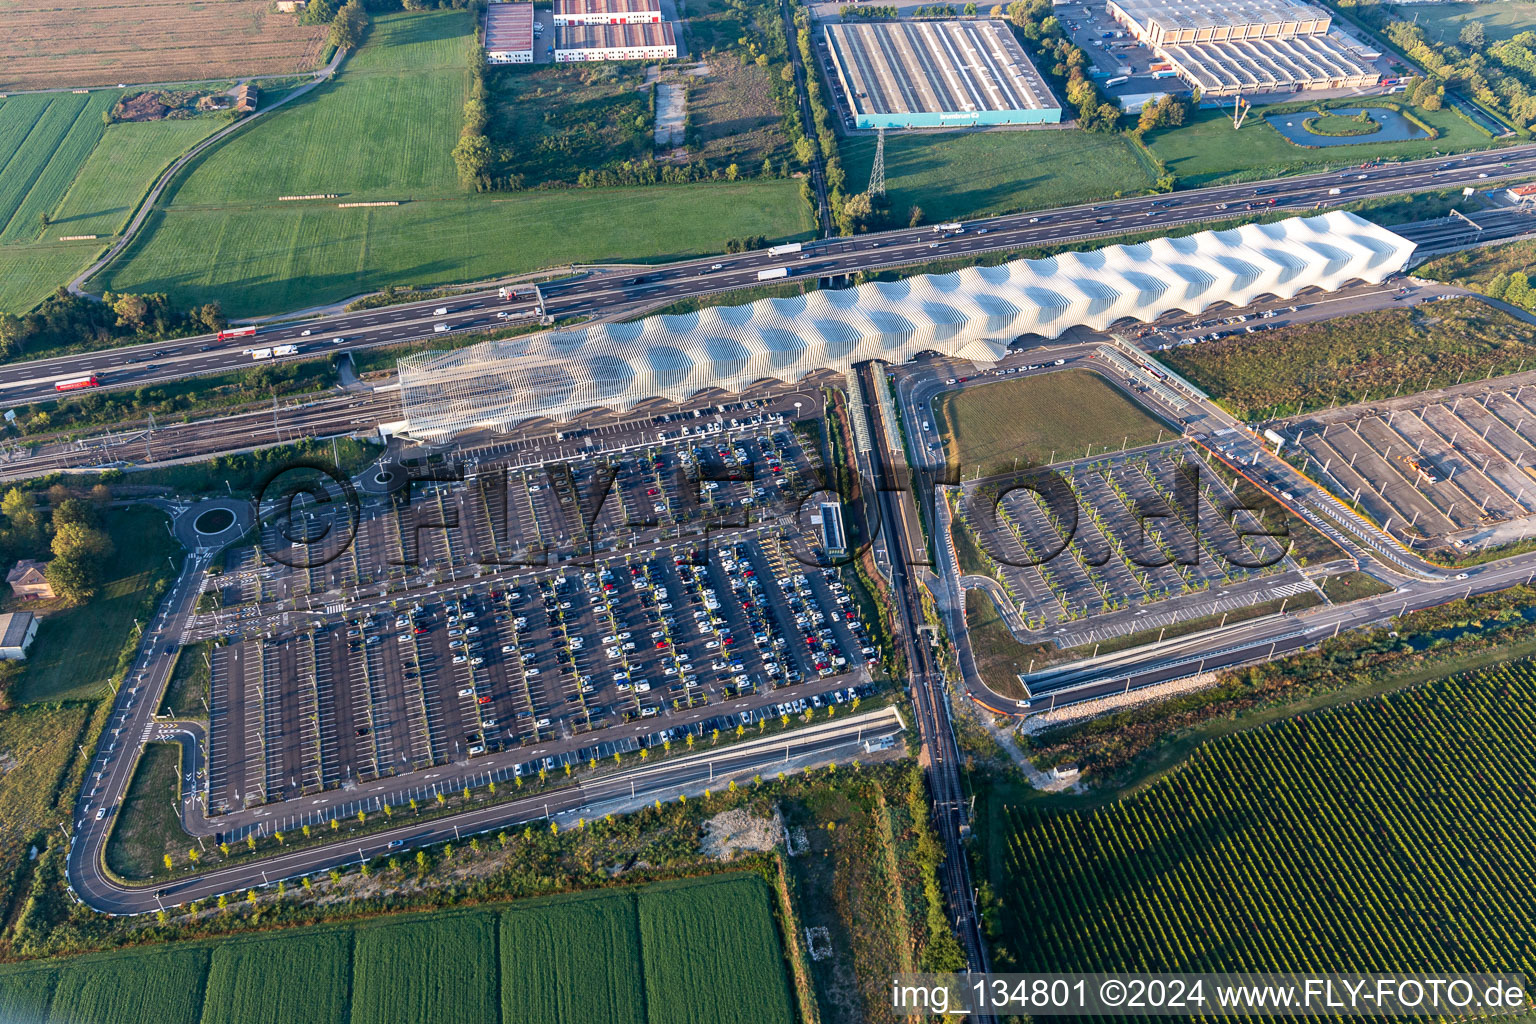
(485, 700)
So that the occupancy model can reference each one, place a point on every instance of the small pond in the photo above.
(1394, 127)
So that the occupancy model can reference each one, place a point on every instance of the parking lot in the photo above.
(528, 608)
(1148, 527)
(1452, 467)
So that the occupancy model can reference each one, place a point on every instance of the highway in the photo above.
(611, 292)
(940, 750)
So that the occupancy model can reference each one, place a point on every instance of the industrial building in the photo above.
(937, 74)
(615, 42)
(607, 12)
(1229, 47)
(974, 313)
(509, 33)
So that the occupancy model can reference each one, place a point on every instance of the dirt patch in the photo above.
(739, 831)
(162, 105)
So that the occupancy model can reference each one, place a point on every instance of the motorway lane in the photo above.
(606, 292)
(689, 773)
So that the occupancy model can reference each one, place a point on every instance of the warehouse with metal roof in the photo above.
(973, 313)
(937, 74)
(1227, 47)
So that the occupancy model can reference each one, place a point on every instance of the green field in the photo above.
(120, 170)
(147, 826)
(31, 273)
(76, 649)
(1355, 358)
(1389, 832)
(1028, 419)
(1207, 151)
(58, 158)
(221, 233)
(36, 746)
(705, 949)
(956, 175)
(1500, 18)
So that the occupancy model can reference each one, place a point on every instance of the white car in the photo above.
(467, 691)
(305, 333)
(1461, 575)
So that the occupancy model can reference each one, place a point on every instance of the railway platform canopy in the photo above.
(974, 313)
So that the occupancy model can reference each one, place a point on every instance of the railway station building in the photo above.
(975, 313)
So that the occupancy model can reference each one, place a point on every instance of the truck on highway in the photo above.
(785, 250)
(949, 227)
(509, 292)
(259, 353)
(440, 328)
(773, 273)
(237, 332)
(440, 311)
(78, 383)
(285, 350)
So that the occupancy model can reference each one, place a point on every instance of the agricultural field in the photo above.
(1062, 414)
(1361, 837)
(556, 944)
(1207, 151)
(44, 140)
(97, 43)
(742, 983)
(223, 235)
(554, 121)
(76, 649)
(436, 969)
(31, 273)
(58, 158)
(703, 949)
(120, 171)
(1352, 359)
(956, 175)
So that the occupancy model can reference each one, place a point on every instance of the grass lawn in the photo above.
(1000, 659)
(147, 826)
(76, 650)
(1501, 20)
(1206, 150)
(1352, 586)
(1067, 413)
(1354, 358)
(224, 235)
(955, 175)
(188, 688)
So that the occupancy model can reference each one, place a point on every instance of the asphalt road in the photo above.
(605, 293)
(836, 740)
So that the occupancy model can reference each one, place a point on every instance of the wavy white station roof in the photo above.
(973, 314)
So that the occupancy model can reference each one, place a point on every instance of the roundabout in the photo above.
(212, 523)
